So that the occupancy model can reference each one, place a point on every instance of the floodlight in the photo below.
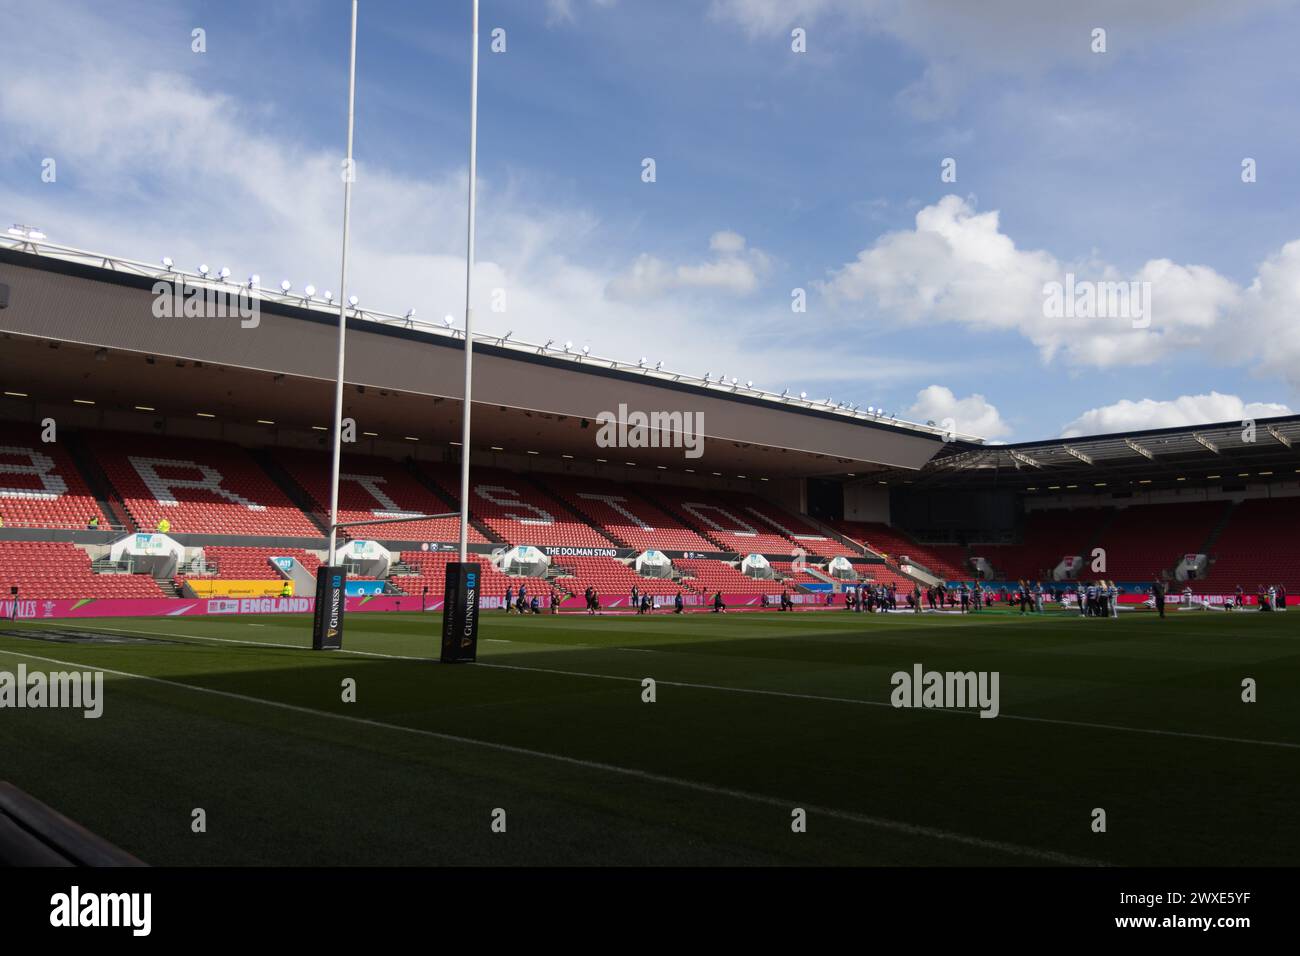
(254, 280)
(352, 301)
(328, 296)
(586, 349)
(803, 394)
(203, 270)
(448, 321)
(224, 274)
(286, 285)
(309, 291)
(166, 260)
(567, 345)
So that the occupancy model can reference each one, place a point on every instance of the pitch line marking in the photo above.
(880, 823)
(759, 692)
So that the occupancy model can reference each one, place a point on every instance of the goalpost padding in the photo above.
(331, 601)
(460, 613)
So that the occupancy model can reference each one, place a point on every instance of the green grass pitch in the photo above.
(755, 715)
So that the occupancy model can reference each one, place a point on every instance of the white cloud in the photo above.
(1264, 325)
(735, 270)
(957, 266)
(972, 415)
(727, 242)
(960, 41)
(151, 163)
(561, 11)
(1186, 410)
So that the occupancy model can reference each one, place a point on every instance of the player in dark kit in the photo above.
(1158, 592)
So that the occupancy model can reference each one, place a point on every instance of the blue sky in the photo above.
(776, 170)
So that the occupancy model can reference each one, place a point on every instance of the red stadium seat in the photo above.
(199, 487)
(627, 517)
(1257, 546)
(371, 488)
(53, 570)
(40, 486)
(518, 510)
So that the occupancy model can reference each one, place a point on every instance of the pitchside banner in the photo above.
(460, 613)
(331, 599)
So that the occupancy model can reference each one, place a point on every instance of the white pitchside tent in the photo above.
(524, 560)
(841, 567)
(757, 566)
(654, 564)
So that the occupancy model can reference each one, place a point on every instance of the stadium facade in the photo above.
(147, 455)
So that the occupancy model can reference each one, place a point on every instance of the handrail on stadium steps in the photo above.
(56, 250)
(59, 525)
(33, 834)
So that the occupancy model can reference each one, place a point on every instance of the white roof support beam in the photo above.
(1140, 449)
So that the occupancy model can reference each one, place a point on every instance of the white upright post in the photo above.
(469, 288)
(348, 175)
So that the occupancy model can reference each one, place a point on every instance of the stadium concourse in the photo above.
(163, 460)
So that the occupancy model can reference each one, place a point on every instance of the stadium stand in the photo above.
(51, 570)
(250, 563)
(879, 574)
(432, 573)
(610, 577)
(199, 487)
(706, 575)
(372, 488)
(1247, 551)
(795, 529)
(1144, 540)
(518, 510)
(1046, 538)
(947, 562)
(627, 517)
(721, 520)
(40, 486)
(792, 578)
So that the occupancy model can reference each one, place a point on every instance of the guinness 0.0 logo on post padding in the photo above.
(460, 613)
(331, 601)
